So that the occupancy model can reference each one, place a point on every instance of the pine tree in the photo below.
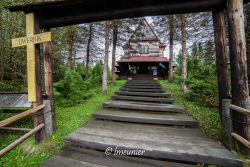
(106, 57)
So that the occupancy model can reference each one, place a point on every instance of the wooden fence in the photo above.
(227, 124)
(24, 137)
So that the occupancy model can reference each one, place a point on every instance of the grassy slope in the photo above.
(30, 153)
(208, 119)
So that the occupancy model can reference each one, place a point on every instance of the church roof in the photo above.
(134, 36)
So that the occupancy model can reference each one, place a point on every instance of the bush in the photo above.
(75, 88)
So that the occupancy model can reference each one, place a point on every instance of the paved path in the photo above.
(140, 118)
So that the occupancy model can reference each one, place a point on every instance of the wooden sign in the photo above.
(30, 40)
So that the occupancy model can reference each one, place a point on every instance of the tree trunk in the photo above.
(115, 34)
(221, 56)
(88, 49)
(106, 58)
(248, 42)
(184, 52)
(70, 50)
(171, 51)
(238, 62)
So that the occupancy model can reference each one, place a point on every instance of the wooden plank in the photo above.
(143, 106)
(14, 100)
(145, 94)
(20, 116)
(142, 90)
(142, 87)
(183, 144)
(146, 117)
(20, 140)
(75, 157)
(143, 99)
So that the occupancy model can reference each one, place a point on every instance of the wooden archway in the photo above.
(62, 13)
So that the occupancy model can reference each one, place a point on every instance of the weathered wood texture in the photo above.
(21, 139)
(227, 124)
(53, 13)
(182, 144)
(38, 118)
(145, 94)
(221, 56)
(143, 106)
(148, 117)
(21, 115)
(142, 90)
(14, 100)
(143, 99)
(238, 62)
(171, 47)
(75, 157)
(47, 46)
(240, 110)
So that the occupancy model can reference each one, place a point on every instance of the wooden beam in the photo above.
(240, 109)
(16, 129)
(241, 139)
(21, 115)
(47, 46)
(21, 139)
(221, 56)
(39, 117)
(238, 62)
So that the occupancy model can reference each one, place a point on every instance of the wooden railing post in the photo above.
(227, 127)
(38, 118)
(47, 47)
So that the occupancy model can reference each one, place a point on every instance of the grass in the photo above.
(31, 153)
(208, 118)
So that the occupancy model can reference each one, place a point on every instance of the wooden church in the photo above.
(143, 55)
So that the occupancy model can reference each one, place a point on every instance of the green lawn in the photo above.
(30, 153)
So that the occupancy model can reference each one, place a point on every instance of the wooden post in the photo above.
(49, 78)
(38, 118)
(221, 56)
(238, 61)
(226, 129)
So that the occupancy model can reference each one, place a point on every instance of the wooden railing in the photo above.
(235, 135)
(24, 137)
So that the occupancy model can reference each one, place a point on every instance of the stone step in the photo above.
(142, 90)
(144, 94)
(143, 106)
(144, 99)
(70, 156)
(155, 141)
(141, 87)
(160, 118)
(143, 84)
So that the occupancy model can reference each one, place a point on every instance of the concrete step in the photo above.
(143, 99)
(143, 94)
(160, 118)
(129, 105)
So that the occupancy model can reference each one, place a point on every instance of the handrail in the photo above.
(241, 139)
(21, 115)
(20, 140)
(239, 109)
